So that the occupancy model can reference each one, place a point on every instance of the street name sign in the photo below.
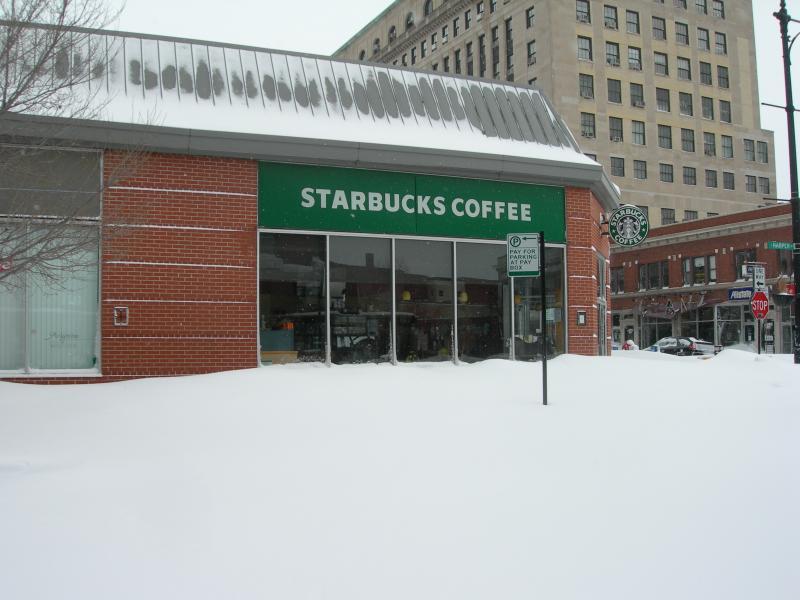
(759, 304)
(780, 246)
(522, 253)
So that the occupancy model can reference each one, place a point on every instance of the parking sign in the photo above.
(522, 253)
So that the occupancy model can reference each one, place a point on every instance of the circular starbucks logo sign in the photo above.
(628, 225)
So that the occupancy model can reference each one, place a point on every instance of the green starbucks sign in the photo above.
(304, 197)
(628, 225)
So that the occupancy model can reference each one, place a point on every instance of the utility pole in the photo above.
(784, 19)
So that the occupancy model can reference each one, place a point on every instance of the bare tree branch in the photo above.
(52, 64)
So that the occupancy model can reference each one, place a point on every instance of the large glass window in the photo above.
(483, 296)
(356, 319)
(50, 324)
(49, 297)
(424, 295)
(292, 298)
(361, 299)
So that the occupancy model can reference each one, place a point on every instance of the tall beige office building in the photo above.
(663, 93)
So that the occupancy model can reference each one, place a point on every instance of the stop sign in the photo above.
(760, 305)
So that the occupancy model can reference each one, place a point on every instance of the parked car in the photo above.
(683, 346)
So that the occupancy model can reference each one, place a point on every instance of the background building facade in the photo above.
(686, 279)
(662, 93)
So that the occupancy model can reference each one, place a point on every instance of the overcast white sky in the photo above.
(321, 26)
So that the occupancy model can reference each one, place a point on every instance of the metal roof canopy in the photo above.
(354, 106)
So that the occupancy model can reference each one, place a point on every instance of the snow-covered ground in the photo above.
(647, 477)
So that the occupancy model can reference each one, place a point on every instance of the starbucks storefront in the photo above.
(374, 266)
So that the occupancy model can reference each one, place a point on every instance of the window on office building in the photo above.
(617, 280)
(610, 17)
(586, 85)
(666, 173)
(694, 269)
(582, 12)
(659, 28)
(532, 52)
(654, 275)
(762, 152)
(509, 51)
(665, 137)
(667, 216)
(701, 6)
(690, 178)
(638, 133)
(742, 257)
(612, 54)
(726, 145)
(705, 73)
(686, 104)
(749, 150)
(723, 79)
(682, 33)
(587, 125)
(709, 144)
(662, 99)
(615, 129)
(721, 43)
(634, 58)
(496, 52)
(718, 8)
(481, 55)
(763, 185)
(661, 63)
(750, 183)
(615, 91)
(632, 21)
(617, 166)
(703, 39)
(529, 17)
(689, 215)
(727, 181)
(639, 169)
(637, 95)
(687, 140)
(711, 178)
(707, 105)
(725, 111)
(684, 69)
(467, 19)
(457, 61)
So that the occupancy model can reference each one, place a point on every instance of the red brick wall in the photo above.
(180, 252)
(584, 242)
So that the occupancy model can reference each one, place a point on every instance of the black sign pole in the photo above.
(759, 336)
(542, 263)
